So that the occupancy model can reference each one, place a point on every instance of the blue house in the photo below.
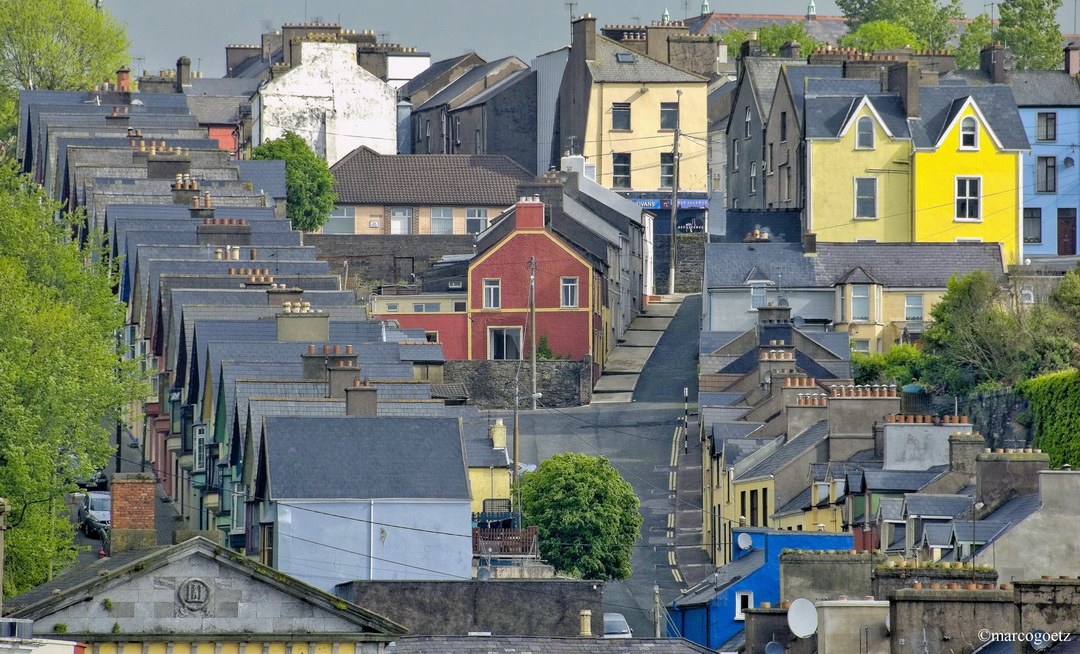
(711, 613)
(1049, 103)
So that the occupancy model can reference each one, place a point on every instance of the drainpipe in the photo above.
(371, 540)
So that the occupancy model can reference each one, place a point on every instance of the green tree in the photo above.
(977, 34)
(901, 365)
(929, 20)
(773, 36)
(586, 514)
(62, 380)
(309, 186)
(55, 45)
(1030, 29)
(881, 35)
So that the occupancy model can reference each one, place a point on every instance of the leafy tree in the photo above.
(61, 377)
(586, 514)
(927, 19)
(309, 186)
(734, 39)
(977, 34)
(773, 36)
(881, 35)
(1031, 30)
(902, 365)
(55, 45)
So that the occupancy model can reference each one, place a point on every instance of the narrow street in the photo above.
(638, 438)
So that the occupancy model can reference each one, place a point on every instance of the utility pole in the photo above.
(4, 508)
(656, 610)
(517, 399)
(532, 325)
(674, 193)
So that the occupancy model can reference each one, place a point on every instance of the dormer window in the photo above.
(864, 133)
(969, 134)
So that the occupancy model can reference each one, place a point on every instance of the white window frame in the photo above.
(753, 177)
(339, 216)
(965, 122)
(622, 174)
(491, 342)
(843, 303)
(758, 295)
(957, 198)
(396, 215)
(860, 345)
(734, 154)
(667, 170)
(392, 307)
(855, 190)
(1036, 217)
(746, 124)
(666, 111)
(238, 512)
(568, 297)
(739, 597)
(442, 215)
(859, 134)
(909, 305)
(198, 448)
(855, 297)
(493, 293)
(476, 217)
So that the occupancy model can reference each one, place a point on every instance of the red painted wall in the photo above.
(451, 328)
(569, 331)
(225, 137)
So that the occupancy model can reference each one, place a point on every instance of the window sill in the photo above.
(865, 218)
(621, 131)
(967, 220)
(857, 149)
(1026, 242)
(967, 149)
(663, 130)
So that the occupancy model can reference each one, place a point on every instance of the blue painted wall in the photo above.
(713, 623)
(1068, 177)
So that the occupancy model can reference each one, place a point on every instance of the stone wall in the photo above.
(826, 575)
(491, 383)
(994, 413)
(388, 258)
(690, 262)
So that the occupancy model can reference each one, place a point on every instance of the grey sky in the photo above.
(163, 30)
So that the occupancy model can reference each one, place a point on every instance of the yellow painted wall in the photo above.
(831, 516)
(405, 303)
(1002, 192)
(645, 141)
(835, 164)
(372, 214)
(299, 646)
(887, 316)
(487, 484)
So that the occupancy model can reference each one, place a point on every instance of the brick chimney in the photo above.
(123, 79)
(133, 503)
(529, 214)
(183, 72)
(361, 399)
(992, 62)
(584, 37)
(904, 79)
(1072, 58)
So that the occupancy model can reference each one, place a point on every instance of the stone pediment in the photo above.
(195, 590)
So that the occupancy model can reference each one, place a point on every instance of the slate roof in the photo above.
(789, 451)
(643, 69)
(722, 431)
(795, 505)
(709, 342)
(737, 449)
(763, 73)
(223, 86)
(937, 535)
(367, 177)
(717, 399)
(429, 74)
(264, 175)
(458, 88)
(540, 645)
(823, 28)
(724, 576)
(365, 458)
(840, 469)
(1031, 88)
(214, 110)
(896, 480)
(927, 505)
(917, 265)
(891, 509)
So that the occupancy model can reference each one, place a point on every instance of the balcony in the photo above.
(505, 543)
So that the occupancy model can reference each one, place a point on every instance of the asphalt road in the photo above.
(637, 438)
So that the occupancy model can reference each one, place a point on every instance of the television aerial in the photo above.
(802, 617)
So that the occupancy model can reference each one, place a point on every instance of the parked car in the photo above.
(95, 513)
(615, 626)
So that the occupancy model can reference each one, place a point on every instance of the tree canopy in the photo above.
(881, 35)
(928, 20)
(976, 34)
(586, 514)
(1030, 29)
(309, 186)
(62, 379)
(771, 37)
(55, 45)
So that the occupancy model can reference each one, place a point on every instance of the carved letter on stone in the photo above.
(193, 596)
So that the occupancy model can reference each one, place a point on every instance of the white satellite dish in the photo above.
(774, 648)
(802, 617)
(1040, 640)
(745, 541)
(888, 623)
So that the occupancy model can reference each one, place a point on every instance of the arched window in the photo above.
(969, 134)
(864, 133)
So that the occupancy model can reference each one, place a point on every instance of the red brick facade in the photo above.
(133, 501)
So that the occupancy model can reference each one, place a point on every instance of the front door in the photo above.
(1066, 231)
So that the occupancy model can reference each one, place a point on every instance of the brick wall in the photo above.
(133, 501)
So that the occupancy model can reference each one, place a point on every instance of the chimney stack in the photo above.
(583, 41)
(183, 72)
(1072, 58)
(904, 79)
(361, 399)
(790, 50)
(133, 503)
(529, 214)
(498, 434)
(992, 62)
(123, 79)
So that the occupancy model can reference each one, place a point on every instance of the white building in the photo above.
(329, 101)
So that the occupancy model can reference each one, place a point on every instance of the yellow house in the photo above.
(930, 163)
(623, 111)
(969, 182)
(489, 474)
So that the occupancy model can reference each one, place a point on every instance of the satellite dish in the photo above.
(799, 321)
(802, 617)
(745, 541)
(888, 623)
(1069, 162)
(483, 573)
(1040, 640)
(781, 301)
(774, 648)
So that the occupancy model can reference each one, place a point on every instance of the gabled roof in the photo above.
(937, 535)
(884, 481)
(496, 644)
(725, 576)
(366, 177)
(789, 451)
(429, 74)
(113, 574)
(891, 509)
(634, 67)
(795, 505)
(455, 92)
(364, 458)
(763, 74)
(823, 28)
(497, 88)
(1031, 88)
(926, 505)
(858, 276)
(938, 104)
(265, 175)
